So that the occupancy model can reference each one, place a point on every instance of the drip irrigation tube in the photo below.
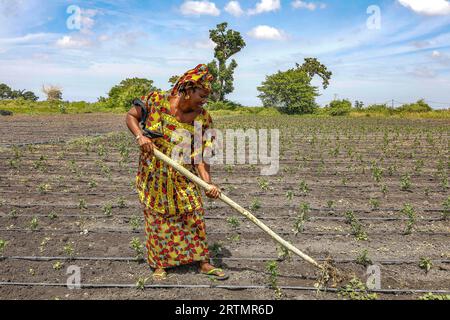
(261, 217)
(75, 206)
(64, 258)
(242, 232)
(212, 286)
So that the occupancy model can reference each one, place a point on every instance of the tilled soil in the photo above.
(68, 182)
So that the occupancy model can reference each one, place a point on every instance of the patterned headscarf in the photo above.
(199, 77)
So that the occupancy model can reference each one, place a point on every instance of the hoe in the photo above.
(327, 271)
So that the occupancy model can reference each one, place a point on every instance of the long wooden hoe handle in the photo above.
(161, 156)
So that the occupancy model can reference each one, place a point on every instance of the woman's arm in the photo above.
(134, 116)
(204, 170)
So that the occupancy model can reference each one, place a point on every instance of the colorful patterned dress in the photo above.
(173, 208)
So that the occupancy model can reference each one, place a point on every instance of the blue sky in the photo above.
(404, 55)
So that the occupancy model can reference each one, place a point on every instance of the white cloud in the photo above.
(436, 54)
(266, 33)
(298, 4)
(234, 8)
(197, 8)
(265, 6)
(428, 7)
(441, 57)
(72, 42)
(31, 38)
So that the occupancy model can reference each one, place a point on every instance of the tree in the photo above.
(359, 105)
(29, 95)
(53, 93)
(228, 43)
(339, 107)
(173, 80)
(289, 91)
(5, 92)
(313, 67)
(123, 94)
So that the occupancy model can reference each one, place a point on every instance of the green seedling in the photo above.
(107, 210)
(52, 215)
(356, 290)
(44, 188)
(43, 244)
(3, 245)
(409, 211)
(140, 283)
(283, 253)
(374, 203)
(446, 207)
(356, 227)
(58, 265)
(405, 182)
(363, 258)
(425, 264)
(256, 205)
(34, 223)
(13, 214)
(135, 222)
(263, 184)
(377, 173)
(384, 190)
(432, 296)
(302, 217)
(138, 248)
(272, 269)
(216, 249)
(121, 202)
(68, 249)
(233, 222)
(92, 184)
(304, 188)
(82, 204)
(290, 195)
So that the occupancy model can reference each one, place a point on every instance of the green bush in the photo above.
(339, 107)
(380, 108)
(419, 106)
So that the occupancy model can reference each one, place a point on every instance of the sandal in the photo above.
(159, 275)
(214, 273)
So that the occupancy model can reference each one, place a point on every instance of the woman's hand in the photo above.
(146, 145)
(214, 192)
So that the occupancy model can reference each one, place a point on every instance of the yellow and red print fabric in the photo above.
(173, 205)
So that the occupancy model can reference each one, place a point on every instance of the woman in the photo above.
(174, 214)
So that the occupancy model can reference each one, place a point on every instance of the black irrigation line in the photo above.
(365, 188)
(311, 218)
(281, 233)
(260, 259)
(56, 141)
(215, 286)
(268, 207)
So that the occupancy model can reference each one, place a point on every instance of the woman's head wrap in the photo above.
(199, 77)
